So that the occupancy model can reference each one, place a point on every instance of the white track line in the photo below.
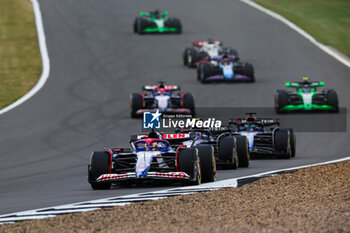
(300, 31)
(129, 199)
(44, 57)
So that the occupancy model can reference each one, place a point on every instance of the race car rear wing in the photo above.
(219, 58)
(262, 121)
(200, 43)
(302, 84)
(168, 137)
(166, 87)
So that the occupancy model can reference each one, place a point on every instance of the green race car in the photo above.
(306, 97)
(156, 22)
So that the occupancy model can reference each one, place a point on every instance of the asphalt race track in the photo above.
(97, 61)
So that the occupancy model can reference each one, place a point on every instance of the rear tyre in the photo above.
(208, 165)
(190, 57)
(99, 165)
(188, 102)
(292, 141)
(282, 143)
(281, 100)
(242, 151)
(332, 100)
(227, 151)
(135, 104)
(185, 57)
(188, 162)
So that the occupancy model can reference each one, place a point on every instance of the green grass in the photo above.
(328, 21)
(20, 61)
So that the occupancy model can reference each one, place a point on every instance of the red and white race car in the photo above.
(202, 51)
(163, 99)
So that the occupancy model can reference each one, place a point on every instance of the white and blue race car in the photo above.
(225, 68)
(152, 158)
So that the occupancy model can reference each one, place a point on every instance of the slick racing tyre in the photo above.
(281, 100)
(207, 160)
(188, 102)
(332, 100)
(174, 23)
(178, 25)
(190, 57)
(203, 72)
(135, 104)
(282, 143)
(99, 165)
(242, 151)
(188, 162)
(227, 151)
(292, 141)
(248, 70)
(139, 25)
(185, 57)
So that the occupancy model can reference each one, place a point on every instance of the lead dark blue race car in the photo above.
(152, 158)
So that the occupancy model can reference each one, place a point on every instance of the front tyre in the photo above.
(332, 100)
(281, 100)
(203, 72)
(248, 70)
(282, 143)
(99, 165)
(208, 164)
(188, 162)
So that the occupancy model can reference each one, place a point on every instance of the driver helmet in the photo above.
(225, 59)
(154, 146)
(156, 13)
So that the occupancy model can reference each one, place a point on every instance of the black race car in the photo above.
(263, 141)
(230, 151)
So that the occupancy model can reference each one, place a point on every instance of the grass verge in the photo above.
(328, 21)
(20, 61)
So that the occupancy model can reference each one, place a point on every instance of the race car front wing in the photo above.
(150, 175)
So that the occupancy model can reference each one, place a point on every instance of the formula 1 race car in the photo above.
(277, 142)
(204, 50)
(163, 99)
(229, 150)
(306, 97)
(156, 22)
(225, 68)
(151, 158)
